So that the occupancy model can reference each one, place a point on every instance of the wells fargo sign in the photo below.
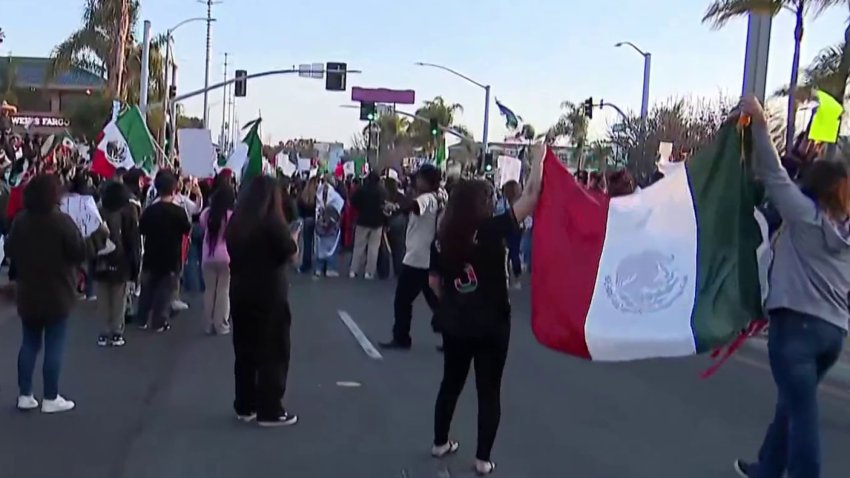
(44, 121)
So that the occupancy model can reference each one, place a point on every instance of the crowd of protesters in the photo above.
(458, 242)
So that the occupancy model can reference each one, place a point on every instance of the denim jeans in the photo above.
(90, 281)
(802, 349)
(525, 248)
(307, 232)
(54, 346)
(326, 264)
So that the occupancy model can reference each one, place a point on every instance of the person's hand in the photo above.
(535, 178)
(750, 106)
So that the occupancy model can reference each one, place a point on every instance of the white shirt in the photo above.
(421, 230)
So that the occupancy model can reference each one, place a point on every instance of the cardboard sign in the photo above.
(83, 211)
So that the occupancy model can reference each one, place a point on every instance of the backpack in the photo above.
(108, 267)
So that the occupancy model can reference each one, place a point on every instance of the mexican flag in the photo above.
(125, 142)
(670, 270)
(246, 159)
(57, 146)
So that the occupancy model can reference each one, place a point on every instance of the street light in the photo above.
(480, 85)
(169, 110)
(647, 63)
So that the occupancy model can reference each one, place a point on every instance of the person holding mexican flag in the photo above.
(807, 303)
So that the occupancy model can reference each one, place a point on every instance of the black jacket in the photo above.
(123, 221)
(47, 250)
(369, 202)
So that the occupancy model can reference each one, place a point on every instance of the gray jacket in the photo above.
(811, 264)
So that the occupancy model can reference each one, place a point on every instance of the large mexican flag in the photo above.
(246, 159)
(125, 143)
(670, 270)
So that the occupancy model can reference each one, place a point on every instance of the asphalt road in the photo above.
(161, 406)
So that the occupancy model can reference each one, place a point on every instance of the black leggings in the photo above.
(489, 357)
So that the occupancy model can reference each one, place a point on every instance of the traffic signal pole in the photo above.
(216, 86)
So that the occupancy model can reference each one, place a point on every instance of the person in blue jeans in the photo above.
(48, 250)
(807, 303)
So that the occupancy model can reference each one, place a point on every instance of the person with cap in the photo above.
(421, 228)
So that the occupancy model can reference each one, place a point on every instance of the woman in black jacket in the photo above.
(260, 246)
(115, 269)
(469, 277)
(47, 248)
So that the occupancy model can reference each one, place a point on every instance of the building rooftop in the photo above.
(31, 72)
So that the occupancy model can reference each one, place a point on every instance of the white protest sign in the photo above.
(348, 168)
(83, 211)
(304, 164)
(665, 150)
(284, 165)
(238, 158)
(197, 154)
(510, 169)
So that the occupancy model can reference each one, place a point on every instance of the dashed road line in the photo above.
(358, 334)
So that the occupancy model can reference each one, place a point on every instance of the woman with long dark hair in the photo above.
(511, 192)
(468, 276)
(215, 261)
(48, 249)
(260, 246)
(807, 302)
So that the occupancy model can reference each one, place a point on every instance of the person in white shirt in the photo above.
(421, 230)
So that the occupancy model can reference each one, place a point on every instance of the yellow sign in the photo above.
(827, 119)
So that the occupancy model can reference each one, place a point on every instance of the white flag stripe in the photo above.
(625, 321)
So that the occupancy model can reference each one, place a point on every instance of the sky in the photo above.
(534, 53)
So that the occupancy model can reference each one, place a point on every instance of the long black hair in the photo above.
(470, 203)
(260, 205)
(221, 203)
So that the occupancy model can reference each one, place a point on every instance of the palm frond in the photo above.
(720, 12)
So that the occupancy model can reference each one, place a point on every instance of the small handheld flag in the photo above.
(511, 119)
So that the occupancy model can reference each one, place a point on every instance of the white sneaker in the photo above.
(331, 274)
(179, 305)
(57, 406)
(27, 402)
(369, 276)
(352, 275)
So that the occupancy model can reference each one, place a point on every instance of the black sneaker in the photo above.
(743, 468)
(284, 420)
(165, 328)
(394, 345)
(102, 341)
(117, 340)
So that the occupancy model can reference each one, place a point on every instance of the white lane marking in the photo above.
(358, 334)
(348, 384)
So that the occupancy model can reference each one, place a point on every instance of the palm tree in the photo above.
(394, 129)
(572, 124)
(721, 11)
(103, 44)
(601, 153)
(438, 109)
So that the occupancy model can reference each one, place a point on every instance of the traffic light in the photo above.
(588, 108)
(488, 162)
(435, 127)
(172, 92)
(368, 111)
(335, 76)
(240, 88)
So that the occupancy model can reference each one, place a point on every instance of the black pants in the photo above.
(261, 349)
(411, 282)
(488, 356)
(155, 298)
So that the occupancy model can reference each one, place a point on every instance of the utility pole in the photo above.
(222, 139)
(146, 57)
(209, 4)
(756, 59)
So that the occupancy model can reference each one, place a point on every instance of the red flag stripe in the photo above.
(568, 236)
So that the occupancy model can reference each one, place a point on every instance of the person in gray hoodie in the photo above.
(807, 303)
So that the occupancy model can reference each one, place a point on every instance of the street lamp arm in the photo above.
(188, 20)
(456, 73)
(643, 53)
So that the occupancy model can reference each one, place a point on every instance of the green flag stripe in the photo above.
(254, 166)
(135, 132)
(727, 284)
